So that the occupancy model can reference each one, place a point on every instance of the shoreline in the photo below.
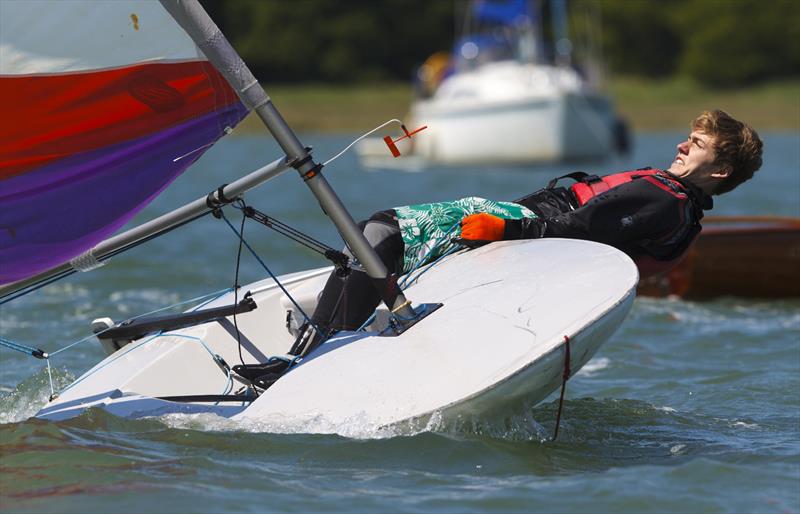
(647, 105)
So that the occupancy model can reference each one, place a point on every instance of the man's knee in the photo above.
(376, 233)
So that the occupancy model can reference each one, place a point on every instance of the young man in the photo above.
(652, 215)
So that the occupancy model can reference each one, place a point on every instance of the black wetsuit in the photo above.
(639, 217)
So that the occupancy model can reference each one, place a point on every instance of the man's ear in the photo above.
(723, 172)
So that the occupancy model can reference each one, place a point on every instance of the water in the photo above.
(689, 407)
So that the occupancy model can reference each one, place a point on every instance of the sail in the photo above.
(104, 104)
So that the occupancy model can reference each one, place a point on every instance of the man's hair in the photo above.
(736, 145)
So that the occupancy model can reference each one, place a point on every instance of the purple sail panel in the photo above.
(49, 216)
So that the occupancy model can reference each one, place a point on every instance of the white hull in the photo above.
(507, 113)
(498, 340)
(560, 128)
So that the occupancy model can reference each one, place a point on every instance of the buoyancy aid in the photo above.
(588, 186)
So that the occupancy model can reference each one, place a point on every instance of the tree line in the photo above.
(718, 43)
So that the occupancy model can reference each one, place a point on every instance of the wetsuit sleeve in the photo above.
(635, 217)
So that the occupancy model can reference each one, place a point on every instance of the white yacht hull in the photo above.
(561, 127)
(506, 113)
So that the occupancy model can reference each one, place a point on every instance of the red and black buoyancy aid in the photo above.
(588, 186)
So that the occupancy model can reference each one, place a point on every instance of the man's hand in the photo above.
(482, 227)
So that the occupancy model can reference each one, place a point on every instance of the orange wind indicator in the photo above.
(391, 143)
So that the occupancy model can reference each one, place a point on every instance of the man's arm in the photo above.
(630, 217)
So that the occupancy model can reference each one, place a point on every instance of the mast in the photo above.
(562, 44)
(191, 16)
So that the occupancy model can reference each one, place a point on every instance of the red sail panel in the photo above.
(59, 115)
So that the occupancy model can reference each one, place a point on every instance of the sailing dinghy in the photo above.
(453, 342)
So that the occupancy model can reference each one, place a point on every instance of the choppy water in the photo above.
(689, 407)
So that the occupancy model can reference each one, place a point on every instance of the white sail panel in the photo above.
(58, 36)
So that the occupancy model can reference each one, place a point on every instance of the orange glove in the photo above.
(482, 227)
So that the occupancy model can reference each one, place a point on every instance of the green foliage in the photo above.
(720, 43)
(639, 38)
(713, 42)
(335, 41)
(741, 41)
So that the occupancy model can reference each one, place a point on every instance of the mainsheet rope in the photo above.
(268, 270)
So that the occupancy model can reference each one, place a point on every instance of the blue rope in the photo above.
(92, 372)
(194, 338)
(435, 246)
(215, 356)
(368, 322)
(79, 341)
(409, 279)
(207, 297)
(33, 352)
(139, 345)
(271, 274)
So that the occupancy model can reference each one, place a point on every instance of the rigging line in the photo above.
(215, 356)
(98, 368)
(37, 285)
(149, 339)
(50, 377)
(408, 281)
(271, 274)
(433, 248)
(236, 285)
(228, 386)
(286, 230)
(210, 297)
(393, 120)
(368, 322)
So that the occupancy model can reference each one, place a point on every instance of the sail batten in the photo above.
(110, 102)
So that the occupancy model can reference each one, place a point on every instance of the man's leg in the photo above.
(347, 302)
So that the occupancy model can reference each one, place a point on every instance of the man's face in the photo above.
(695, 156)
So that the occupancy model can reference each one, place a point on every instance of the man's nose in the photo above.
(682, 146)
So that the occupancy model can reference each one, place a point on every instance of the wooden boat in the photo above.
(748, 256)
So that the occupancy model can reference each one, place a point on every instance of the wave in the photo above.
(30, 395)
